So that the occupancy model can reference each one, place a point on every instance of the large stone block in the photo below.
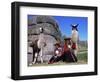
(51, 35)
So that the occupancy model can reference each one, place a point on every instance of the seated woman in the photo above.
(67, 54)
(57, 53)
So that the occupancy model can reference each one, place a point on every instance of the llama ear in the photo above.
(77, 25)
(72, 26)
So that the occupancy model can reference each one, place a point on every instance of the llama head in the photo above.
(74, 26)
(41, 30)
(74, 36)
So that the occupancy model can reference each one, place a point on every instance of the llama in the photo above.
(74, 39)
(38, 46)
(41, 43)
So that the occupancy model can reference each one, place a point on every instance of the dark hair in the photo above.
(57, 44)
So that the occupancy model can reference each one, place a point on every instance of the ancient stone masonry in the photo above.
(51, 33)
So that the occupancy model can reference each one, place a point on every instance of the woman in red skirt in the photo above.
(67, 54)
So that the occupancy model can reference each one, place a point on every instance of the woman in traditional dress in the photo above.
(57, 53)
(68, 55)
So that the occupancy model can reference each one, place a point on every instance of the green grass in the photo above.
(82, 56)
(82, 59)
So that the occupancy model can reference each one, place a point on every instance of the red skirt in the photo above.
(73, 46)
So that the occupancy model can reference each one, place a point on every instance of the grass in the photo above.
(82, 59)
(82, 56)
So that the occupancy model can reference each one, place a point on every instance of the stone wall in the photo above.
(51, 35)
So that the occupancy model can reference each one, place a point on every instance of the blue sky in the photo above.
(65, 22)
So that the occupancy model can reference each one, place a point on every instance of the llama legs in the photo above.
(36, 55)
(41, 55)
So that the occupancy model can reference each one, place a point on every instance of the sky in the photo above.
(65, 22)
